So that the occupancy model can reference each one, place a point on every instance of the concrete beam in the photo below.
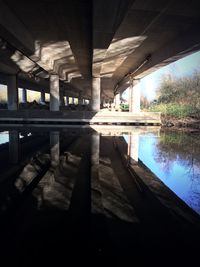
(176, 49)
(14, 31)
(107, 16)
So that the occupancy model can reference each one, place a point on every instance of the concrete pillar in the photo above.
(62, 100)
(80, 98)
(117, 102)
(134, 97)
(54, 92)
(72, 100)
(24, 95)
(42, 97)
(67, 100)
(55, 148)
(12, 92)
(96, 93)
(14, 147)
(133, 148)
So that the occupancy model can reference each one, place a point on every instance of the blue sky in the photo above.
(182, 67)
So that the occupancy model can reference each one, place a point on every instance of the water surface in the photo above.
(175, 158)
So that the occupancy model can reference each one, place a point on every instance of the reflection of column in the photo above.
(12, 92)
(133, 147)
(24, 95)
(134, 97)
(13, 147)
(96, 93)
(95, 190)
(55, 148)
(54, 92)
(95, 151)
(42, 97)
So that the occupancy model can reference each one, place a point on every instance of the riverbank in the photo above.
(184, 124)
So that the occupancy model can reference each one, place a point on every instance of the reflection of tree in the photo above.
(183, 148)
(179, 146)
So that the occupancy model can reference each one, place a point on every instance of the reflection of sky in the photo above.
(178, 177)
(176, 174)
(4, 137)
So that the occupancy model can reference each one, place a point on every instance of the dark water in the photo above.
(175, 158)
(66, 194)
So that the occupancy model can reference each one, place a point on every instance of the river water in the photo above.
(173, 156)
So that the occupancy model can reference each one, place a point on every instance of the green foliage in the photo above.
(124, 107)
(179, 97)
(176, 110)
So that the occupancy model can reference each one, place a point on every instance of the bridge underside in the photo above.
(91, 49)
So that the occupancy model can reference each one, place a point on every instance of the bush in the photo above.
(176, 110)
(124, 107)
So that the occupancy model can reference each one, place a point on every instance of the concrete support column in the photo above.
(42, 97)
(117, 102)
(96, 93)
(62, 100)
(14, 147)
(24, 95)
(133, 148)
(55, 148)
(80, 98)
(134, 97)
(67, 100)
(72, 100)
(12, 92)
(54, 92)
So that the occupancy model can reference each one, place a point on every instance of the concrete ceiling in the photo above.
(110, 39)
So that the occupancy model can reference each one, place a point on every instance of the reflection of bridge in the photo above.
(91, 49)
(80, 188)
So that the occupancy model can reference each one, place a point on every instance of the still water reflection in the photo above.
(4, 137)
(174, 157)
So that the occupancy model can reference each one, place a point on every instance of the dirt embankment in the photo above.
(187, 123)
